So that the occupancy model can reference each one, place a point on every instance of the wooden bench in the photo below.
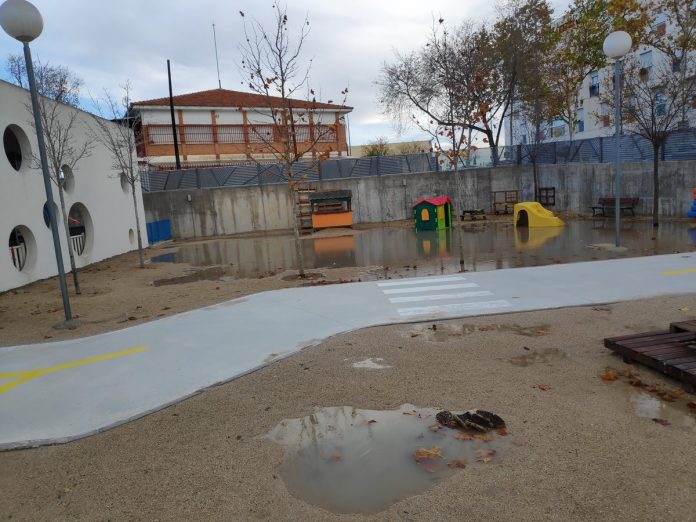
(473, 213)
(609, 203)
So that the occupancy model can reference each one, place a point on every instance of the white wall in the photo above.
(22, 197)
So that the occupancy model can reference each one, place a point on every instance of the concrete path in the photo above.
(59, 391)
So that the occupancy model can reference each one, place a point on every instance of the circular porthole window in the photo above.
(81, 229)
(16, 145)
(22, 247)
(46, 217)
(67, 178)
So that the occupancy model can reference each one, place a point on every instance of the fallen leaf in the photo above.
(678, 393)
(407, 413)
(692, 406)
(485, 455)
(627, 373)
(502, 431)
(464, 435)
(544, 387)
(335, 456)
(483, 437)
(609, 375)
(414, 334)
(425, 453)
(649, 389)
(663, 422)
(635, 382)
(371, 421)
(435, 427)
(601, 309)
(456, 464)
(684, 309)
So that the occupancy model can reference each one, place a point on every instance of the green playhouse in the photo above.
(433, 213)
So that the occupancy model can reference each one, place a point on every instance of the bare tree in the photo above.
(59, 88)
(653, 104)
(428, 89)
(116, 127)
(293, 129)
(378, 147)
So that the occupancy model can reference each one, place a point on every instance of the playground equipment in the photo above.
(432, 213)
(532, 214)
(692, 212)
(331, 208)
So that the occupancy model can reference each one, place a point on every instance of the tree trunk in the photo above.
(494, 148)
(457, 216)
(299, 254)
(656, 185)
(71, 253)
(141, 257)
(535, 170)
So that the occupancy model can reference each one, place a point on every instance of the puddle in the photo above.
(403, 252)
(371, 364)
(546, 355)
(347, 460)
(651, 407)
(442, 333)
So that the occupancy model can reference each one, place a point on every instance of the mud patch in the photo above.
(546, 356)
(207, 274)
(445, 332)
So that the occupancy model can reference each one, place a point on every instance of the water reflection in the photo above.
(487, 246)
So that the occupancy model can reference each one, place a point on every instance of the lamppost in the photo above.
(22, 21)
(616, 46)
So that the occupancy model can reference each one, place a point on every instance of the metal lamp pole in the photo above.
(616, 46)
(617, 134)
(22, 21)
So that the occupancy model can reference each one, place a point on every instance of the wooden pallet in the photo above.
(672, 352)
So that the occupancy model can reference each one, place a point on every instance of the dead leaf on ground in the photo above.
(371, 421)
(544, 387)
(635, 382)
(485, 455)
(609, 375)
(335, 456)
(663, 422)
(684, 309)
(460, 464)
(464, 435)
(435, 427)
(502, 431)
(601, 309)
(692, 406)
(414, 334)
(425, 453)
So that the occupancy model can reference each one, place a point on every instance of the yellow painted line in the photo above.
(27, 375)
(679, 272)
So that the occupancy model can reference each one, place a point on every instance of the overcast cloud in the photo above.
(107, 42)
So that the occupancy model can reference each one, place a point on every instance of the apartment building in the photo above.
(592, 116)
(222, 127)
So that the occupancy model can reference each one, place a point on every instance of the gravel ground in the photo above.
(577, 448)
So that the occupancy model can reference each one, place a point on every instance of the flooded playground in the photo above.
(402, 251)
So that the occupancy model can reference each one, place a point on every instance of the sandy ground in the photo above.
(578, 451)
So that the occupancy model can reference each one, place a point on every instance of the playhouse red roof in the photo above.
(434, 201)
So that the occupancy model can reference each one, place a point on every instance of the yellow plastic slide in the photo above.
(532, 214)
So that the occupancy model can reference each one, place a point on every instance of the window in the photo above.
(661, 29)
(604, 115)
(660, 104)
(523, 139)
(16, 146)
(580, 120)
(558, 128)
(594, 84)
(646, 63)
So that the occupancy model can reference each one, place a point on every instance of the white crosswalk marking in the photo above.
(453, 308)
(429, 288)
(439, 297)
(419, 281)
(441, 288)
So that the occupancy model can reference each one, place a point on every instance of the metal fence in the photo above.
(681, 145)
(240, 175)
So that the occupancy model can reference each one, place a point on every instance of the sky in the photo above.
(107, 43)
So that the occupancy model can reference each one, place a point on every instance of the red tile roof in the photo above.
(433, 201)
(227, 98)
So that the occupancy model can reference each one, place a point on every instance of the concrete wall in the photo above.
(110, 220)
(388, 198)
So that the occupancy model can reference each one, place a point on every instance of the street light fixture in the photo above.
(22, 21)
(616, 46)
